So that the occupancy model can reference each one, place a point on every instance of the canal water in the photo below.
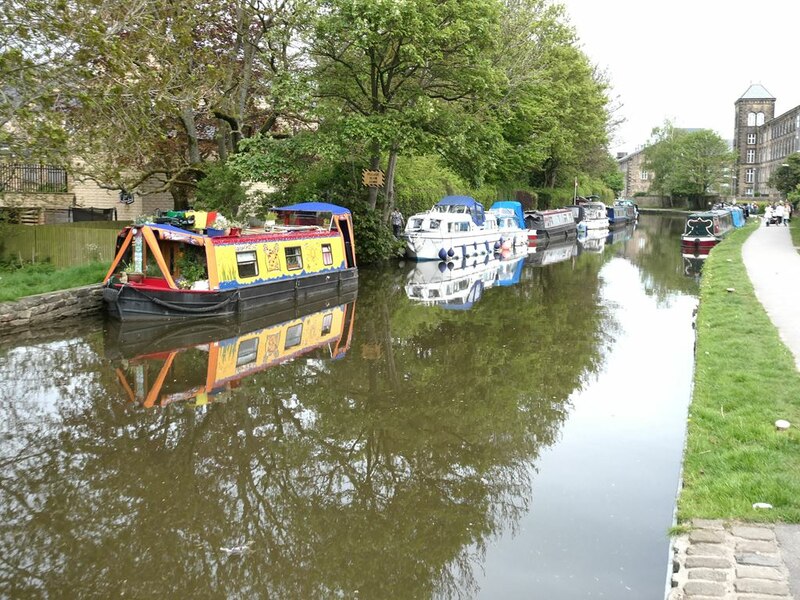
(510, 428)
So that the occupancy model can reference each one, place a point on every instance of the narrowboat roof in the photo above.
(314, 207)
(549, 211)
(708, 213)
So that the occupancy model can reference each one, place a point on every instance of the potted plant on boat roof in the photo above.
(270, 219)
(236, 227)
(218, 227)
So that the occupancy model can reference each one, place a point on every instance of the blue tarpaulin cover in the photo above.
(513, 205)
(475, 208)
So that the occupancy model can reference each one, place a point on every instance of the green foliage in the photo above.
(687, 163)
(192, 265)
(786, 178)
(374, 240)
(221, 190)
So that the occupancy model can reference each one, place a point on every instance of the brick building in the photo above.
(762, 141)
(38, 194)
(636, 178)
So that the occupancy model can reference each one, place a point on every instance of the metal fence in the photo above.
(64, 245)
(32, 178)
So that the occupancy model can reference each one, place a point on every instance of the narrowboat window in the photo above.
(293, 336)
(415, 223)
(294, 258)
(247, 263)
(248, 351)
(327, 321)
(327, 254)
(435, 223)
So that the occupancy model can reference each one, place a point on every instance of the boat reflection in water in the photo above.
(197, 363)
(549, 253)
(592, 240)
(693, 264)
(620, 234)
(458, 285)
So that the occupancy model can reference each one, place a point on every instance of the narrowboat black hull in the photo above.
(131, 302)
(558, 233)
(128, 339)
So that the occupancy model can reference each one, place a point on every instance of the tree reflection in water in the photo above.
(381, 474)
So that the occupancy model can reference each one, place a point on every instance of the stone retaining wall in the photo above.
(46, 309)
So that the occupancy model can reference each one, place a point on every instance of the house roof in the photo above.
(757, 91)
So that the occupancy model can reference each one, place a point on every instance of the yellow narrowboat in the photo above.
(163, 272)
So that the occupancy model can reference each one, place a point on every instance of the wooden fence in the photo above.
(64, 245)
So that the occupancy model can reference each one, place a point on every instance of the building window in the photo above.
(644, 175)
(760, 118)
(748, 191)
(294, 258)
(327, 255)
(751, 119)
(247, 263)
(751, 139)
(751, 156)
(750, 176)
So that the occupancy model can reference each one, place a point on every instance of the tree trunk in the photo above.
(374, 164)
(389, 184)
(187, 118)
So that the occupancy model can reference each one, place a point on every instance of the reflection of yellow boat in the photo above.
(162, 376)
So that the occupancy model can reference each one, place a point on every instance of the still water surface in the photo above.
(505, 430)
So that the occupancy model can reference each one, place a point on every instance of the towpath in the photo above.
(744, 561)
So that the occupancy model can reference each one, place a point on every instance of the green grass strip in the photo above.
(745, 379)
(794, 229)
(40, 278)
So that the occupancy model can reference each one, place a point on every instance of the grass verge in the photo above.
(745, 379)
(43, 277)
(794, 229)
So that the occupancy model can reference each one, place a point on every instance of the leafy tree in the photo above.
(389, 73)
(142, 89)
(687, 163)
(786, 178)
(221, 189)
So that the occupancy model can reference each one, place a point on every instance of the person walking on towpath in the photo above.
(778, 212)
(397, 222)
(787, 214)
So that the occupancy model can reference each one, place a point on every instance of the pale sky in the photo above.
(689, 60)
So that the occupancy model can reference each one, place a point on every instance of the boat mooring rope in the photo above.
(186, 309)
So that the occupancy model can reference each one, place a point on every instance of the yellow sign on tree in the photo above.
(372, 178)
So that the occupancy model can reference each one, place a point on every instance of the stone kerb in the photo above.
(729, 561)
(45, 309)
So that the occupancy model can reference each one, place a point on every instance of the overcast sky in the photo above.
(689, 60)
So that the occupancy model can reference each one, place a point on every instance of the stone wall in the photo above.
(89, 194)
(47, 309)
(659, 202)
